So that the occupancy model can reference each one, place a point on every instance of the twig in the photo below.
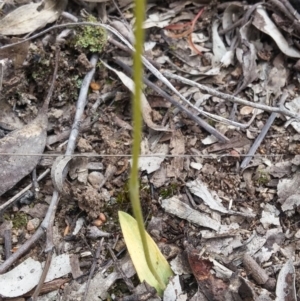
(4, 206)
(100, 99)
(232, 98)
(50, 286)
(81, 102)
(243, 20)
(190, 197)
(126, 49)
(70, 150)
(93, 267)
(51, 139)
(110, 171)
(35, 183)
(282, 8)
(120, 12)
(180, 107)
(262, 134)
(7, 243)
(258, 273)
(119, 269)
(290, 13)
(198, 120)
(150, 294)
(22, 250)
(42, 278)
(44, 108)
(291, 9)
(69, 16)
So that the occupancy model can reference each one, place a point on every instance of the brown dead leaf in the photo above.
(246, 110)
(234, 142)
(159, 177)
(277, 77)
(29, 140)
(9, 119)
(263, 23)
(285, 289)
(16, 53)
(247, 58)
(178, 145)
(212, 287)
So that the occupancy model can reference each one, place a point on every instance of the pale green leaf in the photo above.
(134, 245)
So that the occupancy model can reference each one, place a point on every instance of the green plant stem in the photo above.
(137, 133)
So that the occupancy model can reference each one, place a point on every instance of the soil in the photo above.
(257, 214)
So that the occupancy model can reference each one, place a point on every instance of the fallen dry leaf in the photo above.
(32, 16)
(29, 140)
(263, 23)
(146, 109)
(212, 287)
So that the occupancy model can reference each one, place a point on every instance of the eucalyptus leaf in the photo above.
(30, 17)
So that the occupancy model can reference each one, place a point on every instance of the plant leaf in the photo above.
(134, 245)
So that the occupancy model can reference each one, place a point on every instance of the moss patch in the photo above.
(91, 38)
(19, 220)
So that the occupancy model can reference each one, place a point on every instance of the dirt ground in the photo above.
(220, 152)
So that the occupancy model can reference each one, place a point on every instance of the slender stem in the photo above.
(137, 133)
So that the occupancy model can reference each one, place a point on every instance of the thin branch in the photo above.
(198, 120)
(291, 9)
(7, 243)
(4, 206)
(50, 216)
(262, 134)
(93, 267)
(81, 102)
(232, 98)
(42, 278)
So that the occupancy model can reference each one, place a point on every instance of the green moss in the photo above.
(211, 122)
(169, 191)
(19, 220)
(173, 47)
(77, 81)
(40, 70)
(108, 81)
(123, 195)
(119, 289)
(262, 177)
(91, 38)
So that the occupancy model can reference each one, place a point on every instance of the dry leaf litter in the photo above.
(219, 171)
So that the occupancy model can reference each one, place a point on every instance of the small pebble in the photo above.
(33, 224)
(297, 235)
(14, 239)
(102, 217)
(86, 254)
(196, 165)
(97, 222)
(94, 232)
(95, 178)
(94, 166)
